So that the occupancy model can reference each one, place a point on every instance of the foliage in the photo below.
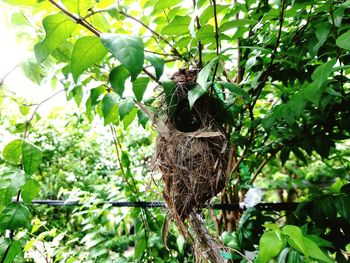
(279, 69)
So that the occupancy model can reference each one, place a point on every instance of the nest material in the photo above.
(193, 152)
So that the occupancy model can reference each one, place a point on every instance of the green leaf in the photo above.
(14, 249)
(343, 40)
(110, 108)
(315, 252)
(139, 87)
(11, 177)
(58, 28)
(30, 190)
(140, 246)
(125, 107)
(296, 238)
(157, 62)
(31, 158)
(202, 84)
(13, 152)
(129, 118)
(343, 207)
(33, 71)
(313, 93)
(178, 26)
(142, 117)
(79, 7)
(322, 72)
(163, 4)
(236, 23)
(117, 78)
(205, 72)
(14, 216)
(129, 50)
(87, 51)
(268, 251)
(236, 90)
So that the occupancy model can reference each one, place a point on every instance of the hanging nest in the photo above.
(192, 153)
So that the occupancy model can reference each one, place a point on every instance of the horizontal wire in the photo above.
(155, 204)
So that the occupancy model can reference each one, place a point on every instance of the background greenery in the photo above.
(279, 68)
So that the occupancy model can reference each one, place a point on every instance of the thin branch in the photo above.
(158, 53)
(200, 46)
(266, 73)
(262, 165)
(216, 38)
(6, 75)
(151, 76)
(76, 19)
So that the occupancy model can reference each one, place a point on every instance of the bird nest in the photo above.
(192, 151)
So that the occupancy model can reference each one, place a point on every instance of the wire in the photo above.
(155, 204)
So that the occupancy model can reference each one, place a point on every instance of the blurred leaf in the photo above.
(128, 50)
(87, 51)
(343, 40)
(266, 251)
(129, 118)
(30, 190)
(178, 26)
(31, 158)
(236, 90)
(315, 252)
(117, 78)
(343, 207)
(157, 62)
(14, 216)
(13, 152)
(139, 87)
(14, 249)
(125, 107)
(58, 28)
(110, 108)
(202, 84)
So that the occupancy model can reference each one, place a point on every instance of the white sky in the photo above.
(11, 54)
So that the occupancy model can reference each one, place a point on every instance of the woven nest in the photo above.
(192, 151)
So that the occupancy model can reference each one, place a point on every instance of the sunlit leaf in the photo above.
(13, 152)
(179, 25)
(157, 62)
(128, 50)
(58, 28)
(139, 87)
(14, 216)
(31, 157)
(110, 108)
(87, 51)
(30, 190)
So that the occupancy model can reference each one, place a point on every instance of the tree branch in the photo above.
(216, 38)
(76, 19)
(200, 46)
(264, 76)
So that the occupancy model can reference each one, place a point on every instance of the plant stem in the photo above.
(216, 38)
(266, 73)
(200, 46)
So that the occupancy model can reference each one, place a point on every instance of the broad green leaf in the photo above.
(296, 238)
(322, 72)
(11, 180)
(208, 13)
(129, 118)
(33, 71)
(157, 62)
(313, 93)
(142, 117)
(202, 84)
(178, 26)
(236, 23)
(139, 87)
(162, 4)
(343, 40)
(79, 7)
(128, 50)
(30, 190)
(140, 246)
(117, 78)
(270, 245)
(58, 28)
(31, 158)
(125, 107)
(13, 152)
(14, 216)
(87, 51)
(236, 90)
(13, 248)
(6, 195)
(343, 207)
(110, 108)
(315, 252)
(205, 72)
